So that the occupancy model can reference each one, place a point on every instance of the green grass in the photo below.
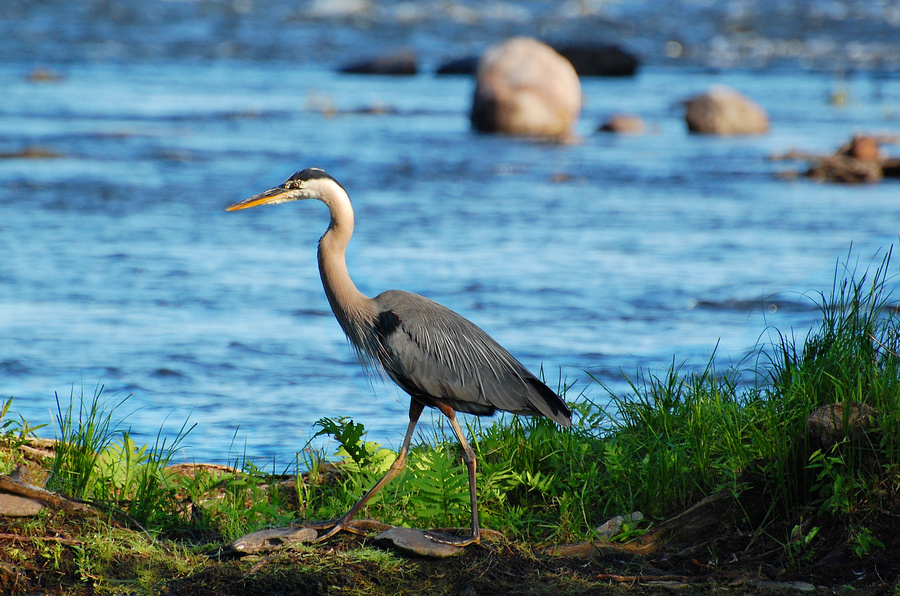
(96, 460)
(672, 439)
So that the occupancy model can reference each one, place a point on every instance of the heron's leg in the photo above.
(344, 522)
(469, 459)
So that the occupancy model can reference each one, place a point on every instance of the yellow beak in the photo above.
(269, 197)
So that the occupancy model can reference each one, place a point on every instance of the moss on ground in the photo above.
(65, 552)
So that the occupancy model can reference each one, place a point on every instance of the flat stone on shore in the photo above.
(273, 539)
(12, 505)
(416, 542)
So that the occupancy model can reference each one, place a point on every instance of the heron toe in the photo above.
(453, 540)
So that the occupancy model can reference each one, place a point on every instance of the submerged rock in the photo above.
(630, 124)
(459, 66)
(32, 152)
(44, 75)
(401, 63)
(338, 9)
(599, 60)
(525, 88)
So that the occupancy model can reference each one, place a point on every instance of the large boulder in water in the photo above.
(525, 88)
(724, 111)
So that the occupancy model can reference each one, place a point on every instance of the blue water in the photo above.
(120, 266)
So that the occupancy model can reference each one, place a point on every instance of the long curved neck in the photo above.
(351, 307)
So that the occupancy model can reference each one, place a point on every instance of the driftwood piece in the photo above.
(409, 541)
(597, 548)
(50, 499)
(844, 168)
(696, 521)
(860, 160)
(692, 524)
(11, 486)
(43, 448)
(21, 538)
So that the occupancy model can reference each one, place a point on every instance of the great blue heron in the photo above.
(439, 358)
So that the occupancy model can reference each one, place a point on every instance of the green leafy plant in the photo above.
(840, 487)
(16, 432)
(361, 464)
(13, 434)
(799, 544)
(440, 484)
(863, 542)
(350, 437)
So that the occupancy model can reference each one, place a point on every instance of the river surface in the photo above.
(121, 268)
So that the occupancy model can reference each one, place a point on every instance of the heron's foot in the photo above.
(474, 538)
(336, 525)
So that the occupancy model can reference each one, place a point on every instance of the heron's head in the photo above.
(311, 183)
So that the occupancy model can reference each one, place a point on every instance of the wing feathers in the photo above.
(435, 354)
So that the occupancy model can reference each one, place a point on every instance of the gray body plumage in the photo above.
(436, 355)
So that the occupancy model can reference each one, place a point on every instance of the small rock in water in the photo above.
(415, 542)
(858, 161)
(630, 124)
(31, 153)
(724, 111)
